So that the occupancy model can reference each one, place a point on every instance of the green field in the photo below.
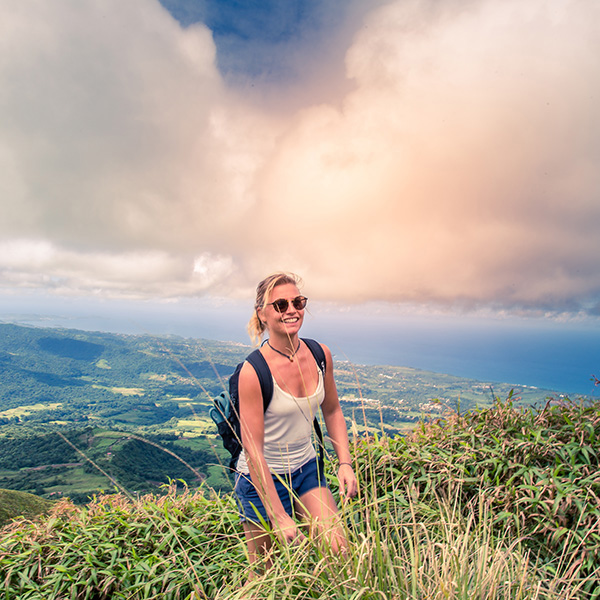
(105, 392)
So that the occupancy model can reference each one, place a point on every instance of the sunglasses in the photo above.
(281, 305)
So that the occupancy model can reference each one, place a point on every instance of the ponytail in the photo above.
(256, 329)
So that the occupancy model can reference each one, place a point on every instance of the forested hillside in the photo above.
(76, 375)
(86, 412)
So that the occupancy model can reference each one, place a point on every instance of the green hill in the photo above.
(15, 504)
(82, 413)
(499, 503)
(57, 377)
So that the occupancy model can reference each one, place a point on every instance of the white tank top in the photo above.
(288, 430)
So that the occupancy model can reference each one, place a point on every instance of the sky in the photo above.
(413, 152)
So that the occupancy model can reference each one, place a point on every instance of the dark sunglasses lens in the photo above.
(299, 302)
(280, 305)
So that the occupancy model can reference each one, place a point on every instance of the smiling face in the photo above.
(287, 323)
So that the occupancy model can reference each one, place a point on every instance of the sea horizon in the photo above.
(562, 357)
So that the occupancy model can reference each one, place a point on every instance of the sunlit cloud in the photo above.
(133, 274)
(457, 165)
(460, 170)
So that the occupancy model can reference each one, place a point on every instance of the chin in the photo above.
(292, 327)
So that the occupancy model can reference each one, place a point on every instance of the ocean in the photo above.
(559, 356)
(553, 356)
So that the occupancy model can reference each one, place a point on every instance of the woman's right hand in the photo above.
(288, 531)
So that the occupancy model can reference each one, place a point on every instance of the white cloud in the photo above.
(136, 274)
(461, 168)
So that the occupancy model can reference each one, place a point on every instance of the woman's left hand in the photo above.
(347, 481)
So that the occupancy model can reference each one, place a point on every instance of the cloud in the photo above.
(108, 124)
(461, 167)
(133, 275)
(458, 164)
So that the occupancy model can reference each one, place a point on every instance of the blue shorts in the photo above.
(297, 483)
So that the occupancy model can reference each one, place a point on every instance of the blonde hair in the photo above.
(256, 327)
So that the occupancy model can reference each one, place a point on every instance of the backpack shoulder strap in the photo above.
(319, 355)
(258, 362)
(317, 352)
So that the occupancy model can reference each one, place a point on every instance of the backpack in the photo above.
(225, 412)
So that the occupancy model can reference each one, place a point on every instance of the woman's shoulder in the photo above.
(248, 375)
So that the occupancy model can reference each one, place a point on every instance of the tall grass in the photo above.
(496, 504)
(539, 472)
(154, 547)
(444, 556)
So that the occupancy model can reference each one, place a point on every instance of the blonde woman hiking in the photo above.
(278, 474)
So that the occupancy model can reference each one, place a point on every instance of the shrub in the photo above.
(156, 547)
(538, 471)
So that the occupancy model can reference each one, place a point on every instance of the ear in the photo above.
(259, 317)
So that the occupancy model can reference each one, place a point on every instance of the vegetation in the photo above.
(15, 504)
(481, 500)
(81, 463)
(538, 473)
(495, 503)
(117, 397)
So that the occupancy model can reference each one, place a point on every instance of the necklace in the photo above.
(290, 357)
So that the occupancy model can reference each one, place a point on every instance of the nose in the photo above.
(290, 308)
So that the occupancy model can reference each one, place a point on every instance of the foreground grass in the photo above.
(497, 504)
(155, 547)
(173, 546)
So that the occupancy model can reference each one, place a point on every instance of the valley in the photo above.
(84, 413)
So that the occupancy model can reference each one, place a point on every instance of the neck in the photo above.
(283, 341)
(288, 347)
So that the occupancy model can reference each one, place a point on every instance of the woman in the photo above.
(277, 444)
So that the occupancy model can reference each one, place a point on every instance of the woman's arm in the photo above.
(252, 423)
(337, 431)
